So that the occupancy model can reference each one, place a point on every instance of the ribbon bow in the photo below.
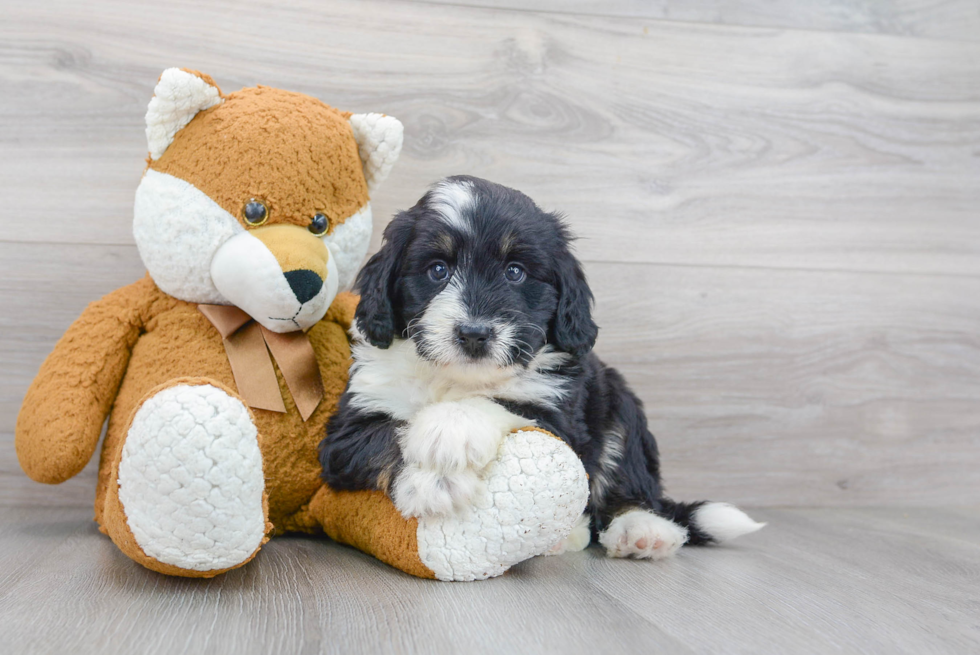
(248, 346)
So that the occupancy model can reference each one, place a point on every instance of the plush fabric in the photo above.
(192, 480)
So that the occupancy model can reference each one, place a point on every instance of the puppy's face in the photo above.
(476, 273)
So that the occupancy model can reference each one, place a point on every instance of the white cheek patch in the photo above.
(178, 229)
(248, 275)
(452, 200)
(348, 244)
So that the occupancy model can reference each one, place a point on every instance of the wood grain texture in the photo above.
(781, 226)
(940, 19)
(814, 581)
(700, 144)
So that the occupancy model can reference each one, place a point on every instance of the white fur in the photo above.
(444, 446)
(379, 142)
(419, 491)
(248, 276)
(397, 382)
(642, 534)
(724, 522)
(177, 98)
(534, 494)
(190, 479)
(451, 436)
(609, 459)
(438, 323)
(177, 230)
(451, 200)
(578, 539)
(348, 244)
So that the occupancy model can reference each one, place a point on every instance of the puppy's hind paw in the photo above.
(422, 492)
(642, 534)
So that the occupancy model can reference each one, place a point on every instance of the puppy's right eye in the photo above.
(438, 271)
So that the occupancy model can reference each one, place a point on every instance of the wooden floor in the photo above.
(814, 581)
(780, 209)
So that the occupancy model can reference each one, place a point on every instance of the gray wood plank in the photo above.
(814, 581)
(941, 19)
(673, 143)
(766, 387)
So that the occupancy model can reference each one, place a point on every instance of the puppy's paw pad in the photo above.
(643, 535)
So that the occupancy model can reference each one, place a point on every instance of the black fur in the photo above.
(552, 305)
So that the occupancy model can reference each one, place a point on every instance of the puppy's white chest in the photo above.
(399, 383)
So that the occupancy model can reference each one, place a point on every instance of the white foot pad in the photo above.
(535, 492)
(642, 534)
(190, 479)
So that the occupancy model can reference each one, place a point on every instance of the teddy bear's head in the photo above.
(259, 198)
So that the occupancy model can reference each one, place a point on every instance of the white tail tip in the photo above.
(724, 522)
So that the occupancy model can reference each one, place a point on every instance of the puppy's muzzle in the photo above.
(473, 338)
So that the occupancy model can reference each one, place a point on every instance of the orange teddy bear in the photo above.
(219, 369)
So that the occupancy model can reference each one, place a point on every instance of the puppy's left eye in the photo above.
(438, 271)
(515, 273)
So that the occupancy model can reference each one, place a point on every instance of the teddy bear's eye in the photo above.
(319, 225)
(255, 212)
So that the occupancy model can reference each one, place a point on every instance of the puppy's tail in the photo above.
(709, 522)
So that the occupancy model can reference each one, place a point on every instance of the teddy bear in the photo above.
(218, 371)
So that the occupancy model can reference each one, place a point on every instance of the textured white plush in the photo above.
(348, 243)
(249, 277)
(379, 142)
(177, 98)
(642, 534)
(190, 479)
(535, 493)
(177, 230)
(724, 522)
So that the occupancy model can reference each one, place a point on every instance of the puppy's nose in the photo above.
(305, 284)
(473, 337)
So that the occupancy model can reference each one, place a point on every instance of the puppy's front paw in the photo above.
(422, 492)
(642, 534)
(452, 436)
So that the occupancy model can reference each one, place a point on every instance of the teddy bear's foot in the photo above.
(534, 494)
(190, 498)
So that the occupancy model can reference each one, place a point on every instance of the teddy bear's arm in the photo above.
(342, 309)
(62, 414)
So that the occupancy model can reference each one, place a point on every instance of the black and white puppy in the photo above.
(475, 319)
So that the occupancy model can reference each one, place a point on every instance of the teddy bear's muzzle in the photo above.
(281, 275)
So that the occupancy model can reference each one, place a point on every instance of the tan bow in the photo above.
(248, 346)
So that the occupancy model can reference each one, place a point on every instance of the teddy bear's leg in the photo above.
(189, 497)
(535, 493)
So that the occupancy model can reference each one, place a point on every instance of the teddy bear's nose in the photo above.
(305, 284)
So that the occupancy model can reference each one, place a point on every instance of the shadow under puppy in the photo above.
(475, 319)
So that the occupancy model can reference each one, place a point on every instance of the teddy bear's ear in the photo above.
(379, 142)
(177, 98)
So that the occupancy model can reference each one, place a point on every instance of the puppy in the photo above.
(476, 319)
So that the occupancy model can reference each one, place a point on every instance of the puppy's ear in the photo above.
(572, 329)
(375, 316)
